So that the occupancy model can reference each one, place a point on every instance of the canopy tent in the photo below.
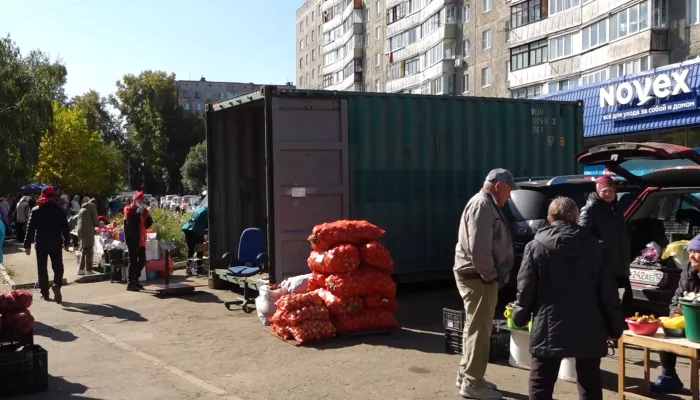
(32, 187)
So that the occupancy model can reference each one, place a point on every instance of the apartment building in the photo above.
(560, 44)
(309, 44)
(194, 95)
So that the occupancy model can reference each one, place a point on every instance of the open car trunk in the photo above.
(666, 211)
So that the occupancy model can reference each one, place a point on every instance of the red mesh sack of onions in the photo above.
(312, 330)
(380, 302)
(317, 281)
(296, 317)
(291, 302)
(339, 259)
(368, 320)
(282, 331)
(363, 282)
(328, 235)
(341, 305)
(374, 255)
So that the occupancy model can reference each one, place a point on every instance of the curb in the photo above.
(5, 277)
(81, 279)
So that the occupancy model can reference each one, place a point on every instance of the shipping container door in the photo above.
(310, 175)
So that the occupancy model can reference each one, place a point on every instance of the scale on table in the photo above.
(168, 288)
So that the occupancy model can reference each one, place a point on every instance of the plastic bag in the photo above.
(363, 282)
(374, 255)
(265, 302)
(328, 235)
(652, 252)
(341, 305)
(297, 284)
(339, 259)
(368, 320)
(317, 281)
(678, 251)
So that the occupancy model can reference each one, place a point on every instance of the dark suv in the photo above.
(527, 207)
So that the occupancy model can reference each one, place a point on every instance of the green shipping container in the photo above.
(287, 160)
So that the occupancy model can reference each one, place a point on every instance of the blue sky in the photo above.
(101, 40)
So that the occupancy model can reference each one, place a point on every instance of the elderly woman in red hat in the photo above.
(607, 223)
(136, 221)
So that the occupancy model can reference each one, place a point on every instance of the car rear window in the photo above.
(526, 204)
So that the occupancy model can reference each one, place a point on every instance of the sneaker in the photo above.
(667, 384)
(82, 272)
(483, 393)
(488, 384)
(57, 294)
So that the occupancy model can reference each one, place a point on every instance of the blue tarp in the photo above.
(641, 167)
(32, 187)
(680, 110)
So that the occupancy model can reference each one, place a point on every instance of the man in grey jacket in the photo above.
(483, 259)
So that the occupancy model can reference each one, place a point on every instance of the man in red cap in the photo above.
(48, 230)
(607, 223)
(136, 221)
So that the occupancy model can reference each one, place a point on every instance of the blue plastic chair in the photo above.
(251, 260)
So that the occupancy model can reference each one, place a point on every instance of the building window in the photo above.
(526, 12)
(379, 6)
(451, 15)
(465, 83)
(467, 12)
(186, 106)
(313, 73)
(488, 5)
(594, 35)
(301, 45)
(508, 30)
(313, 54)
(629, 67)
(185, 93)
(693, 13)
(465, 48)
(412, 66)
(629, 21)
(377, 33)
(198, 106)
(301, 63)
(486, 37)
(197, 94)
(557, 6)
(563, 85)
(396, 13)
(508, 71)
(229, 95)
(560, 47)
(486, 77)
(594, 77)
(313, 36)
(209, 95)
(396, 42)
(377, 59)
(436, 86)
(327, 80)
(222, 95)
(526, 92)
(377, 87)
(528, 55)
(660, 16)
(433, 55)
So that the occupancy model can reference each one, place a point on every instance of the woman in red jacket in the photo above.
(136, 221)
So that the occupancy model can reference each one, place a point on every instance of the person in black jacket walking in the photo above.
(668, 381)
(48, 230)
(607, 223)
(563, 283)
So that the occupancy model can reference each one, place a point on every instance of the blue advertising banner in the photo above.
(660, 109)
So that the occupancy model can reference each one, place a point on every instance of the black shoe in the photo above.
(57, 294)
(45, 296)
(133, 288)
(138, 284)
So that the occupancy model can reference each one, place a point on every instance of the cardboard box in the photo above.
(152, 250)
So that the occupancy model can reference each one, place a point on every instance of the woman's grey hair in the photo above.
(563, 209)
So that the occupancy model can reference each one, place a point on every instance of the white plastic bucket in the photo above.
(520, 349)
(567, 370)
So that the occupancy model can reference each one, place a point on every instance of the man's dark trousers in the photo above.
(137, 260)
(545, 371)
(42, 256)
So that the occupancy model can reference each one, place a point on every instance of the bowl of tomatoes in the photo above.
(645, 325)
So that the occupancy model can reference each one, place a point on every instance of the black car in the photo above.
(527, 207)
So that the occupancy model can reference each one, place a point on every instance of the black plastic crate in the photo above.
(453, 319)
(11, 342)
(498, 350)
(25, 371)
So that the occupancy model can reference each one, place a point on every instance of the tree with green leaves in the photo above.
(194, 171)
(159, 131)
(76, 158)
(98, 117)
(28, 87)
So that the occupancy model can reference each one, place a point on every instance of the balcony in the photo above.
(358, 29)
(541, 29)
(416, 18)
(347, 82)
(443, 67)
(426, 43)
(340, 64)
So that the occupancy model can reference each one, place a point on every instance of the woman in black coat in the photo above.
(563, 283)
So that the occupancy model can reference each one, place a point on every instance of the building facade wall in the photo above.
(309, 38)
(195, 95)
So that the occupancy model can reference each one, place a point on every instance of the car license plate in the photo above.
(647, 276)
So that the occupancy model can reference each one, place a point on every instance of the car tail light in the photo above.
(529, 227)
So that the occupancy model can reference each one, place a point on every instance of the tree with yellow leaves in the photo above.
(76, 159)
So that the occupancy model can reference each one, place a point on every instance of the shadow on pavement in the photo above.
(511, 395)
(12, 247)
(52, 333)
(104, 310)
(199, 297)
(60, 389)
(632, 384)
